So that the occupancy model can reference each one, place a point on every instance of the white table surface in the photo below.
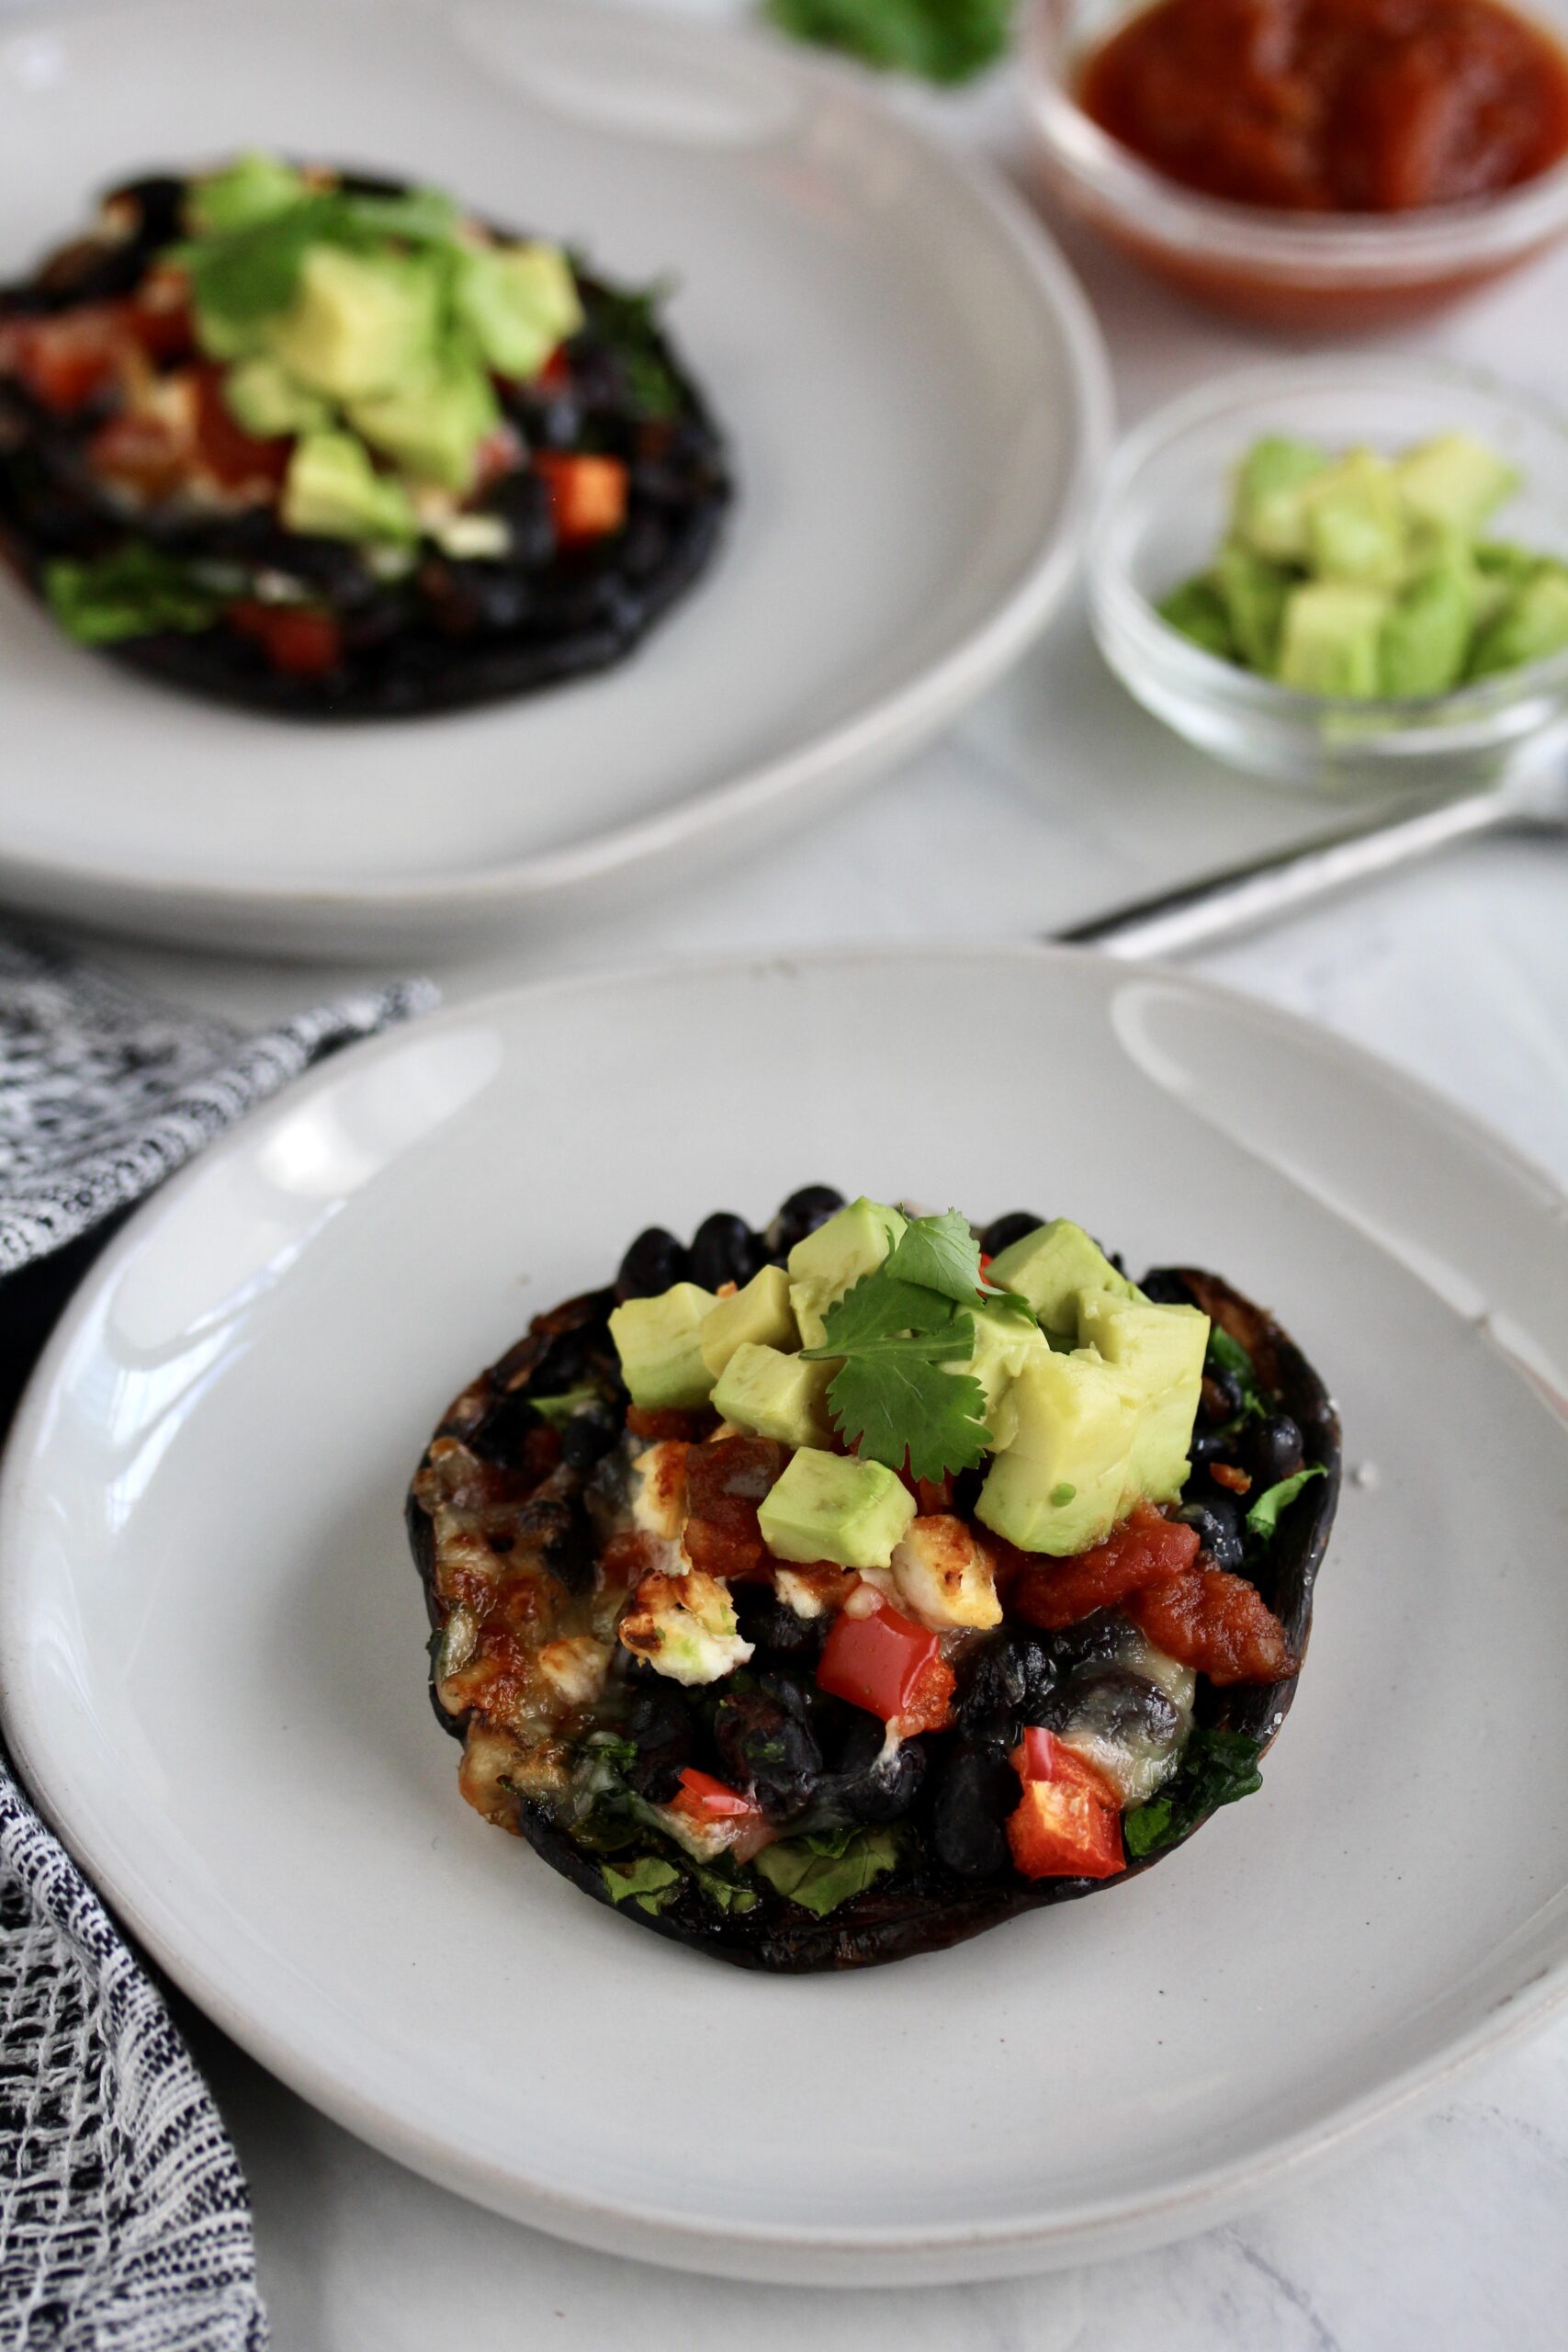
(1054, 797)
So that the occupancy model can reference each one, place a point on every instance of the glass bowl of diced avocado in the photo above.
(1344, 573)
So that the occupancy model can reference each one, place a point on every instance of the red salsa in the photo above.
(1333, 106)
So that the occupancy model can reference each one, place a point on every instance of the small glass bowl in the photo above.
(1324, 272)
(1165, 507)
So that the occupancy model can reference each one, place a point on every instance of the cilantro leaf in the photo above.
(251, 273)
(1264, 1517)
(942, 41)
(941, 1254)
(820, 1881)
(892, 1398)
(897, 1404)
(1217, 1767)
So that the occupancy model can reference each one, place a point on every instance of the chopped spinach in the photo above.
(821, 1872)
(649, 1884)
(627, 322)
(1217, 1767)
(134, 592)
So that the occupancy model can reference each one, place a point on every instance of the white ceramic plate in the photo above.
(212, 1639)
(915, 390)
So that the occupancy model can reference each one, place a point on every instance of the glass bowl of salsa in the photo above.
(1319, 165)
(1166, 505)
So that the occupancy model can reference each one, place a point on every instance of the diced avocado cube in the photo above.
(263, 397)
(1161, 1351)
(759, 1314)
(1267, 512)
(1332, 638)
(1532, 624)
(333, 489)
(1425, 636)
(659, 1341)
(833, 1259)
(432, 427)
(775, 1396)
(1253, 592)
(253, 187)
(835, 1506)
(1004, 1344)
(1197, 610)
(361, 324)
(1356, 526)
(1062, 1483)
(519, 302)
(1455, 481)
(1049, 1267)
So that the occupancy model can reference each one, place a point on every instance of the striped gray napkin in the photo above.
(125, 2222)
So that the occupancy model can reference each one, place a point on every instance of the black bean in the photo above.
(663, 1734)
(523, 503)
(1003, 1231)
(654, 1261)
(1165, 1286)
(587, 1437)
(724, 1250)
(802, 1213)
(1093, 1638)
(974, 1798)
(1002, 1681)
(553, 1532)
(767, 1750)
(499, 1437)
(771, 1626)
(1119, 1705)
(1221, 1394)
(1272, 1449)
(870, 1787)
(1217, 1517)
(1212, 1446)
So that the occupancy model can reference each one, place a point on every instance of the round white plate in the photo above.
(212, 1638)
(915, 390)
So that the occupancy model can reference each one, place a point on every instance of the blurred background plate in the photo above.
(212, 1638)
(917, 397)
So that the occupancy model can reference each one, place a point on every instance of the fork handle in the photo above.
(1241, 897)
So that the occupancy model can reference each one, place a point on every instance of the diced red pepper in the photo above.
(1143, 1550)
(726, 1819)
(556, 373)
(706, 1799)
(1041, 1756)
(888, 1665)
(297, 640)
(1068, 1824)
(588, 494)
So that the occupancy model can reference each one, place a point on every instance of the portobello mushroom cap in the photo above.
(922, 1904)
(451, 635)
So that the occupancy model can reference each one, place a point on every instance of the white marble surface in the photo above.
(1054, 797)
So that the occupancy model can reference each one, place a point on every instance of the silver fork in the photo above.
(1240, 898)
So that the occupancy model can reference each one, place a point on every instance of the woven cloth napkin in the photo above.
(125, 2222)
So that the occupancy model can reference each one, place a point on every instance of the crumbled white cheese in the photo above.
(659, 1495)
(943, 1575)
(684, 1626)
(575, 1668)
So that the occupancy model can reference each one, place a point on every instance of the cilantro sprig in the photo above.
(902, 1331)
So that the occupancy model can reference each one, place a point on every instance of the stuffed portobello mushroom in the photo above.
(827, 1594)
(325, 445)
